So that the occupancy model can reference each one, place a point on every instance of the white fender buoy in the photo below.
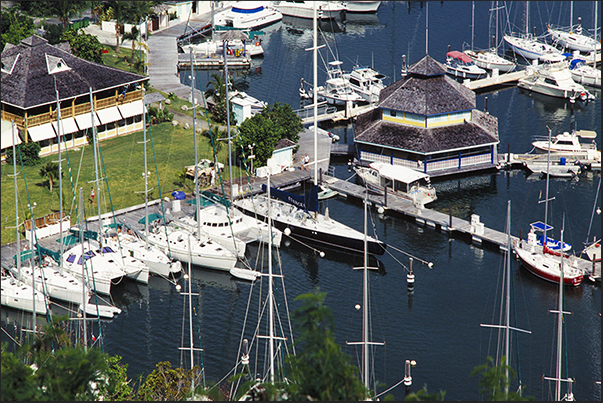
(287, 231)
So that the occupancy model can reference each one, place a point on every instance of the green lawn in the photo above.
(123, 159)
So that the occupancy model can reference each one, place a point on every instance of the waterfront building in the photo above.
(32, 74)
(429, 122)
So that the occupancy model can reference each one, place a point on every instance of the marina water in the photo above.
(438, 323)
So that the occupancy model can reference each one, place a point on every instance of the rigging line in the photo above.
(35, 235)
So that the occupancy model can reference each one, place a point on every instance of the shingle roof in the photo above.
(427, 90)
(30, 84)
(481, 131)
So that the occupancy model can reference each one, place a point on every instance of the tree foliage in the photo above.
(29, 152)
(265, 129)
(320, 370)
(495, 383)
(83, 45)
(14, 26)
(51, 367)
(50, 172)
(167, 383)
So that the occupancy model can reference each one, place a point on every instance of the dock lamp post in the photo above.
(251, 155)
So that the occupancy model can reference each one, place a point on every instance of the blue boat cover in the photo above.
(307, 202)
(539, 226)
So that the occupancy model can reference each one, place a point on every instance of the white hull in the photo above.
(548, 266)
(587, 75)
(574, 41)
(489, 60)
(205, 252)
(533, 50)
(18, 295)
(62, 286)
(419, 195)
(247, 15)
(555, 80)
(325, 10)
(362, 6)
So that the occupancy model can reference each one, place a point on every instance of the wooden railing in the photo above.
(71, 111)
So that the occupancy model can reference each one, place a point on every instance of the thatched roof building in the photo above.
(428, 121)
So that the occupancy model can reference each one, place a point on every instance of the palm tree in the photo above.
(134, 36)
(50, 171)
(216, 88)
(65, 10)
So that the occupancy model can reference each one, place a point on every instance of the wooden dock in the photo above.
(506, 79)
(213, 62)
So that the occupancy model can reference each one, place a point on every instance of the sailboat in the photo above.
(297, 216)
(132, 242)
(16, 293)
(276, 343)
(572, 37)
(490, 59)
(529, 47)
(569, 396)
(190, 245)
(506, 327)
(540, 260)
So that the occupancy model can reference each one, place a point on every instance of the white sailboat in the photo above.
(529, 47)
(572, 37)
(15, 293)
(131, 242)
(490, 59)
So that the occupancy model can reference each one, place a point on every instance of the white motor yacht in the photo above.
(569, 143)
(337, 89)
(248, 15)
(554, 79)
(305, 9)
(366, 82)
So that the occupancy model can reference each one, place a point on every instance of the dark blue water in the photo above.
(438, 324)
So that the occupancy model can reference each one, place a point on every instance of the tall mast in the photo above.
(315, 93)
(426, 27)
(60, 180)
(472, 22)
(197, 201)
(546, 200)
(94, 145)
(507, 310)
(146, 174)
(81, 222)
(16, 201)
(270, 290)
(228, 121)
(365, 351)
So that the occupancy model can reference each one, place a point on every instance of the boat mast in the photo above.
(472, 22)
(197, 201)
(94, 144)
(60, 180)
(315, 93)
(507, 326)
(270, 291)
(81, 222)
(365, 351)
(546, 199)
(146, 174)
(16, 202)
(426, 27)
(224, 44)
(560, 323)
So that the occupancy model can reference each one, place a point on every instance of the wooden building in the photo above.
(35, 73)
(428, 121)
